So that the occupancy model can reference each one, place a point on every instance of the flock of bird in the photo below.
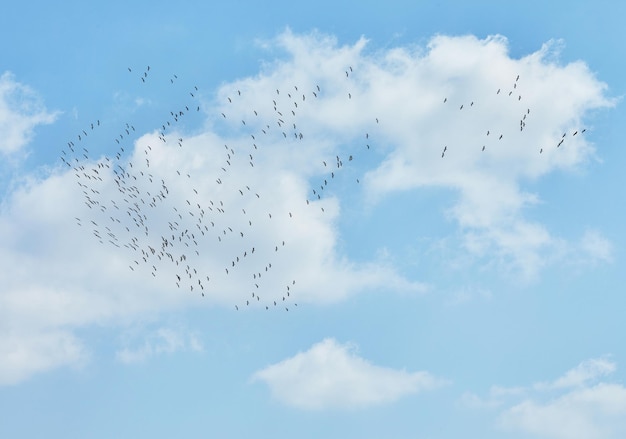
(200, 236)
(157, 226)
(515, 94)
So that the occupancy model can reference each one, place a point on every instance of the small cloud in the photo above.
(140, 102)
(596, 246)
(497, 397)
(469, 294)
(331, 376)
(161, 341)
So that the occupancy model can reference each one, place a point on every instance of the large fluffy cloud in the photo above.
(331, 375)
(245, 209)
(504, 122)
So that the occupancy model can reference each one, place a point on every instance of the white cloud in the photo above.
(496, 397)
(581, 404)
(25, 354)
(463, 70)
(595, 412)
(58, 276)
(332, 376)
(405, 88)
(468, 294)
(596, 246)
(587, 371)
(158, 342)
(62, 276)
(21, 111)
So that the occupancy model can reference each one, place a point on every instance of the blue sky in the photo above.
(443, 290)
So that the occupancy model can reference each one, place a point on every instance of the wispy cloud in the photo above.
(587, 372)
(331, 375)
(582, 403)
(21, 111)
(161, 341)
(27, 353)
(596, 246)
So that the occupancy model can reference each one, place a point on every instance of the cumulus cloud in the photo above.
(331, 375)
(504, 122)
(530, 102)
(583, 403)
(245, 209)
(21, 111)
